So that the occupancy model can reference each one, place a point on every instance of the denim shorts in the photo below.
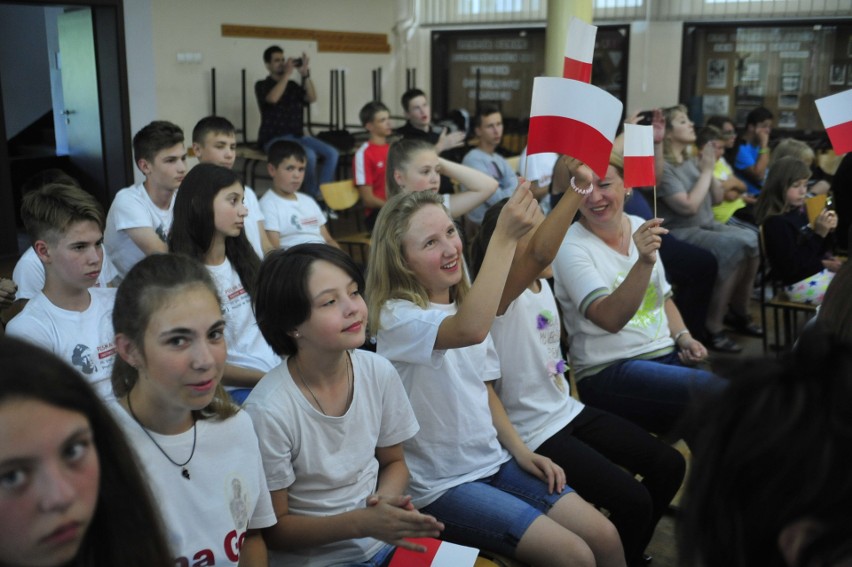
(380, 559)
(494, 512)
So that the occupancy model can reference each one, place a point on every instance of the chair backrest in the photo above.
(815, 205)
(340, 195)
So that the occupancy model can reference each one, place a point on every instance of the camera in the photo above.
(297, 62)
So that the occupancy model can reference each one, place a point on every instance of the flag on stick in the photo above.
(579, 50)
(639, 156)
(573, 118)
(836, 114)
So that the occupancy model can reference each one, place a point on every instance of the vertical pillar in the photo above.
(559, 12)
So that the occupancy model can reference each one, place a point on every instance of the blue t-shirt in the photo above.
(747, 156)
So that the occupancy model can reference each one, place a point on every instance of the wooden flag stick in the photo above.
(655, 201)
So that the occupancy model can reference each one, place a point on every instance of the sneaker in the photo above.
(743, 324)
(721, 342)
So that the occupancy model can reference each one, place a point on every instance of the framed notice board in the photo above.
(731, 69)
(498, 66)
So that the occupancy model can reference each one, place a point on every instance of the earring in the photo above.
(296, 334)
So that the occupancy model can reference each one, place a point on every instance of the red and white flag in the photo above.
(836, 114)
(579, 50)
(438, 554)
(639, 156)
(573, 118)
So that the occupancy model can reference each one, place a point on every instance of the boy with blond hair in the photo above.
(70, 317)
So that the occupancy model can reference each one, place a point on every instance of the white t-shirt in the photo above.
(84, 339)
(255, 216)
(133, 208)
(533, 388)
(459, 444)
(205, 517)
(297, 222)
(326, 463)
(586, 269)
(29, 274)
(246, 346)
(538, 167)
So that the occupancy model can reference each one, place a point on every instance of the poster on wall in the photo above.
(788, 100)
(787, 119)
(837, 75)
(717, 73)
(715, 105)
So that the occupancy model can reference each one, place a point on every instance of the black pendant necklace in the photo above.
(183, 470)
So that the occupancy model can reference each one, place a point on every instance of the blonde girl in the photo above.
(413, 165)
(469, 467)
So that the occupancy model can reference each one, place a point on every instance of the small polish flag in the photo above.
(579, 49)
(573, 118)
(639, 156)
(836, 114)
(438, 554)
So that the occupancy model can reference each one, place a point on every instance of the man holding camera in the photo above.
(281, 100)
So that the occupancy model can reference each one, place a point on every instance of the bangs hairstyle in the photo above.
(194, 223)
(33, 374)
(669, 114)
(151, 285)
(368, 111)
(773, 196)
(769, 454)
(388, 275)
(49, 211)
(157, 136)
(281, 150)
(212, 125)
(400, 155)
(283, 301)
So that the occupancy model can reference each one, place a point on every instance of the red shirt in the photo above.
(368, 167)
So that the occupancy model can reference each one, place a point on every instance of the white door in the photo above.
(80, 91)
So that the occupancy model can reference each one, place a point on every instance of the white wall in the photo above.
(182, 90)
(139, 44)
(655, 55)
(24, 64)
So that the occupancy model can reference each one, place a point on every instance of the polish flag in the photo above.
(639, 156)
(579, 49)
(836, 114)
(438, 554)
(573, 118)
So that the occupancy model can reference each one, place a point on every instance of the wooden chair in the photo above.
(343, 197)
(786, 313)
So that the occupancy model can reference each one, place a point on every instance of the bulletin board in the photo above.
(731, 69)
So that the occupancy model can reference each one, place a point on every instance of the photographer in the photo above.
(281, 100)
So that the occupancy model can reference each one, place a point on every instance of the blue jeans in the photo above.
(654, 394)
(380, 559)
(313, 147)
(493, 513)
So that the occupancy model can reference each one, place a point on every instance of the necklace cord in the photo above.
(157, 445)
(350, 380)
